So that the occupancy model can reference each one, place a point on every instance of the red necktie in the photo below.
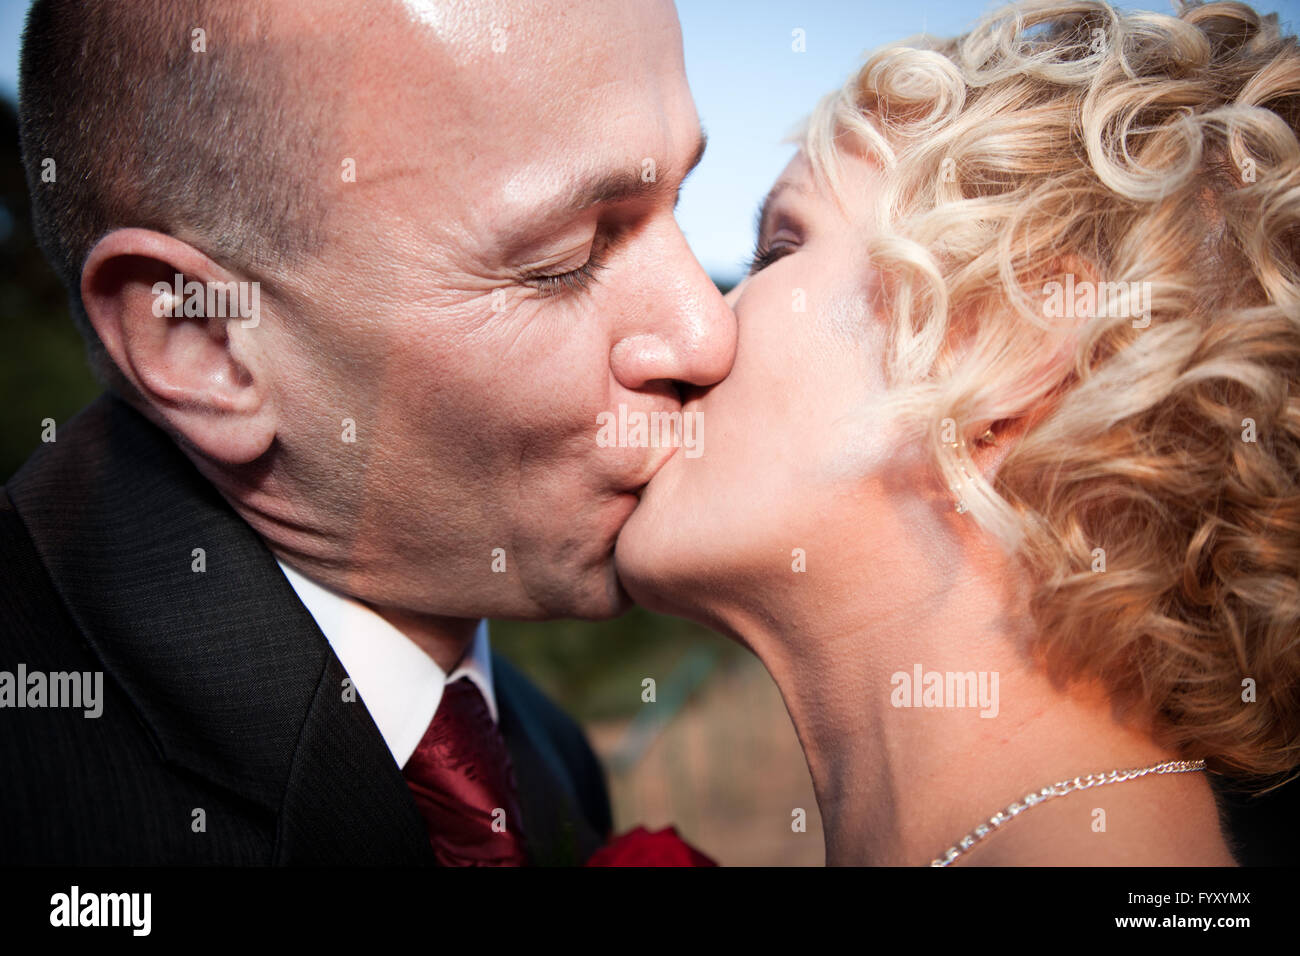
(464, 786)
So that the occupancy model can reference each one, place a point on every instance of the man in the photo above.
(360, 278)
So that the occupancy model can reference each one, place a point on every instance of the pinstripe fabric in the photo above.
(225, 735)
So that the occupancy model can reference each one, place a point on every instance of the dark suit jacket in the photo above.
(220, 693)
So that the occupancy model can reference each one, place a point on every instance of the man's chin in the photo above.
(600, 598)
(616, 601)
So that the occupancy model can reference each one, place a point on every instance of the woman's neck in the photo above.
(901, 772)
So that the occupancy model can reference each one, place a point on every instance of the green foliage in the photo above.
(43, 369)
(596, 668)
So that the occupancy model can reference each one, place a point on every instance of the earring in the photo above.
(987, 438)
(960, 506)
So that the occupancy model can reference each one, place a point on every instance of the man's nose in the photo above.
(679, 329)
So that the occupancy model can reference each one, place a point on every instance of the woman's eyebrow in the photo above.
(769, 201)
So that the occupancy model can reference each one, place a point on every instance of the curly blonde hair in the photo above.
(1155, 491)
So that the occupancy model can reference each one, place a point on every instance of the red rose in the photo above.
(640, 847)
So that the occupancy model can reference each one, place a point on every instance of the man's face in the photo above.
(505, 267)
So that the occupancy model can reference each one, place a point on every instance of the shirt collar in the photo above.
(399, 684)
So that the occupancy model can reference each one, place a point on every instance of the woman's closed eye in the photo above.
(778, 235)
(765, 255)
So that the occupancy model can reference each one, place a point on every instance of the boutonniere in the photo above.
(640, 847)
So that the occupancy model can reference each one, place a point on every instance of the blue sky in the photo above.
(752, 89)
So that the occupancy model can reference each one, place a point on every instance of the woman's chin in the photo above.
(691, 548)
(658, 555)
(646, 562)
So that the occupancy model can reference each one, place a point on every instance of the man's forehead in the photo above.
(485, 70)
(491, 138)
(545, 32)
(468, 43)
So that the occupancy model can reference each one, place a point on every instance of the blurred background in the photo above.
(714, 754)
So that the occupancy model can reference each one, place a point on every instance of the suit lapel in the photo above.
(346, 800)
(225, 666)
(555, 831)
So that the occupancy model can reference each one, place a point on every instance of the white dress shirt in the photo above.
(398, 682)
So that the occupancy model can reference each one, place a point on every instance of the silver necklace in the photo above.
(1058, 790)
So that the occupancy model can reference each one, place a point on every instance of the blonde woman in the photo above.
(1004, 487)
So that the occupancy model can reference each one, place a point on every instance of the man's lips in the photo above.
(638, 486)
(633, 491)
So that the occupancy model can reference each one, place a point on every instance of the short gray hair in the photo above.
(146, 130)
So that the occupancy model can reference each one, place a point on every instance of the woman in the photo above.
(1004, 487)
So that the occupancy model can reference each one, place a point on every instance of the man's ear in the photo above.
(201, 373)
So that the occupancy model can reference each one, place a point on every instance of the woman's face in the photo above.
(791, 440)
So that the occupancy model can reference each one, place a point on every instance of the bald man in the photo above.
(359, 280)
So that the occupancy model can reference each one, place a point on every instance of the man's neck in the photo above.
(295, 536)
(446, 639)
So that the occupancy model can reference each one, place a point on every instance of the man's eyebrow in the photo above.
(629, 184)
